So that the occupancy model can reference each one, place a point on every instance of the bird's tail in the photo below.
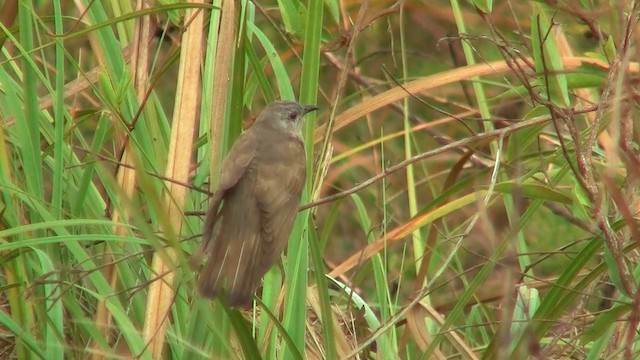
(227, 274)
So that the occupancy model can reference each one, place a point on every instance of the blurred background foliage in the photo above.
(472, 190)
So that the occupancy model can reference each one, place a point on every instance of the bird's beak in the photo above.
(309, 108)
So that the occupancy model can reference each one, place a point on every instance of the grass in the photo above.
(471, 189)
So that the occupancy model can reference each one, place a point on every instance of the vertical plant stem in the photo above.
(161, 292)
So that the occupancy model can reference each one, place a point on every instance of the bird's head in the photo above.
(286, 114)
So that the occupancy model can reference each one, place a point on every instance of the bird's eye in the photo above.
(293, 115)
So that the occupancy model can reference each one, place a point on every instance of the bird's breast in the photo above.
(281, 165)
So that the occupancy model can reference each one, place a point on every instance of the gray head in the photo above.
(286, 114)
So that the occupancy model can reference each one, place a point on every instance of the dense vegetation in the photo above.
(472, 190)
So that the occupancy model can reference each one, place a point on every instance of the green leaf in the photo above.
(249, 347)
(604, 320)
(290, 17)
(533, 191)
(547, 59)
(614, 271)
(609, 48)
(486, 6)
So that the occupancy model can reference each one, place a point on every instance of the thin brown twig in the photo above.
(158, 176)
(454, 145)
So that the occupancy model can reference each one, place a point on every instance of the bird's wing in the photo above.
(233, 168)
(229, 269)
(278, 196)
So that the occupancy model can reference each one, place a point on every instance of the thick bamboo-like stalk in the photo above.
(222, 74)
(185, 121)
(126, 175)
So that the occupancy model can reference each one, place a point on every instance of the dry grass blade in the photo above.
(424, 309)
(419, 332)
(224, 53)
(185, 120)
(344, 343)
(431, 82)
(126, 175)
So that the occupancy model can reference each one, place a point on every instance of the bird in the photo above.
(262, 179)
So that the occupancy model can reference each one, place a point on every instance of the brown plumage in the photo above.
(260, 187)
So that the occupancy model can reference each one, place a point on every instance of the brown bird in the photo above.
(260, 187)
